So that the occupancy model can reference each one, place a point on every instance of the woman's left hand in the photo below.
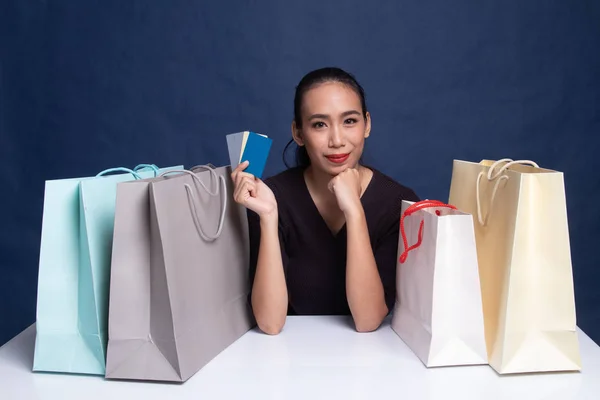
(347, 189)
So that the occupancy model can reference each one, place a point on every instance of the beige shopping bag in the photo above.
(524, 258)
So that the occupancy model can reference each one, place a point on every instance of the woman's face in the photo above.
(333, 127)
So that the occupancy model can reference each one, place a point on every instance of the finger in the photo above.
(331, 186)
(241, 167)
(246, 179)
(246, 189)
(234, 172)
(243, 175)
(240, 189)
(241, 194)
(239, 186)
(251, 186)
(248, 194)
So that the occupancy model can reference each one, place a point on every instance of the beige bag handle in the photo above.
(495, 175)
(192, 199)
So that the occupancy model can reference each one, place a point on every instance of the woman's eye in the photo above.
(318, 124)
(350, 121)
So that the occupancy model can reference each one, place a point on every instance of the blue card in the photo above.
(249, 146)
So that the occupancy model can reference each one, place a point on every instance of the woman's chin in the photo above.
(334, 170)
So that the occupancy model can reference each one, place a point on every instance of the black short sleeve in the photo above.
(314, 258)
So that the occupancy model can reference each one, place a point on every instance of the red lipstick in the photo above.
(338, 158)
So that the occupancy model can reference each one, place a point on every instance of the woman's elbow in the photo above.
(368, 326)
(269, 321)
(270, 328)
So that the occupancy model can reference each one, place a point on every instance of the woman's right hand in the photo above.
(253, 193)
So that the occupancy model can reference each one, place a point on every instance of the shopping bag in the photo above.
(179, 278)
(74, 268)
(438, 310)
(524, 258)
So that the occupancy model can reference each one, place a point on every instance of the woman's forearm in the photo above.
(269, 291)
(364, 289)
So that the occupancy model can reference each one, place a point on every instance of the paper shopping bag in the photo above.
(524, 259)
(179, 279)
(438, 310)
(72, 297)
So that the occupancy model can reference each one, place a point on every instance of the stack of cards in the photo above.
(249, 146)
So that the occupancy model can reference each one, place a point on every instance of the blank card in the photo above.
(249, 146)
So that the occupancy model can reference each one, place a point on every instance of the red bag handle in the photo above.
(413, 208)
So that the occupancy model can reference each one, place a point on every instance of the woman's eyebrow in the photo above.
(350, 112)
(325, 116)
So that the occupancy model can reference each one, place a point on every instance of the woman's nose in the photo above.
(336, 138)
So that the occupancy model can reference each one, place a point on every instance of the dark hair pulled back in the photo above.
(309, 81)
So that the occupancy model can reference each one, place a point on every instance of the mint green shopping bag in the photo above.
(74, 270)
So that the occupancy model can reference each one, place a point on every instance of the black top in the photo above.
(314, 259)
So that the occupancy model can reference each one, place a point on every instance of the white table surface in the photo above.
(313, 358)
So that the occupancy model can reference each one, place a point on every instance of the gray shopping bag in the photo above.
(179, 277)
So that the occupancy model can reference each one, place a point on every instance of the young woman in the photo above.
(324, 234)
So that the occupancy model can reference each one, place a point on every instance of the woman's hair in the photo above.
(309, 81)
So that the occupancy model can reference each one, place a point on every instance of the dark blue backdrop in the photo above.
(89, 85)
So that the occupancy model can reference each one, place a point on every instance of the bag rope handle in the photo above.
(492, 175)
(153, 167)
(119, 169)
(192, 200)
(413, 208)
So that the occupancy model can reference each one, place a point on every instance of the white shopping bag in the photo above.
(438, 311)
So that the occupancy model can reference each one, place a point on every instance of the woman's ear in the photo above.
(367, 124)
(297, 134)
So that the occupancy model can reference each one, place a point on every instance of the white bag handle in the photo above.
(192, 199)
(495, 175)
